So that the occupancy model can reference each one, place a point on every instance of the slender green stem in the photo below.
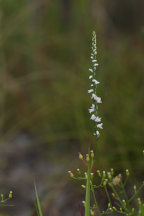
(136, 192)
(118, 198)
(109, 199)
(87, 199)
(97, 154)
(124, 184)
(97, 207)
(125, 195)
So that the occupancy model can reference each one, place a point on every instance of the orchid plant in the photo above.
(118, 201)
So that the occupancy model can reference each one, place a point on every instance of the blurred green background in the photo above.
(44, 59)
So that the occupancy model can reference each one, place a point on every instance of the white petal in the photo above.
(91, 110)
(95, 81)
(96, 98)
(98, 119)
(93, 106)
(93, 117)
(91, 70)
(90, 91)
(100, 125)
(96, 133)
(90, 77)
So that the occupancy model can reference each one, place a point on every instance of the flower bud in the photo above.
(124, 202)
(85, 175)
(111, 209)
(91, 212)
(2, 197)
(80, 156)
(109, 175)
(92, 154)
(83, 202)
(87, 158)
(10, 194)
(139, 201)
(113, 195)
(135, 188)
(104, 183)
(98, 172)
(92, 174)
(78, 171)
(114, 208)
(71, 174)
(104, 174)
(127, 172)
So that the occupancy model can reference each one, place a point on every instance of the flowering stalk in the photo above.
(93, 87)
(94, 115)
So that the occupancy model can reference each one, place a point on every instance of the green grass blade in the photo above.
(38, 202)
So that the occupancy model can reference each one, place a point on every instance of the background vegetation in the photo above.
(44, 61)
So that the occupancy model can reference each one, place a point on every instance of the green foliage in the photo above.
(118, 200)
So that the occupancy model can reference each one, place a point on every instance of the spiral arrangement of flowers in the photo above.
(93, 110)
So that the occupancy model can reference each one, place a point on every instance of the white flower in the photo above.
(98, 119)
(97, 133)
(92, 108)
(90, 77)
(93, 117)
(100, 125)
(93, 96)
(96, 98)
(95, 81)
(91, 70)
(90, 91)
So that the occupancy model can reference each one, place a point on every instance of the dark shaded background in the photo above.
(44, 59)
